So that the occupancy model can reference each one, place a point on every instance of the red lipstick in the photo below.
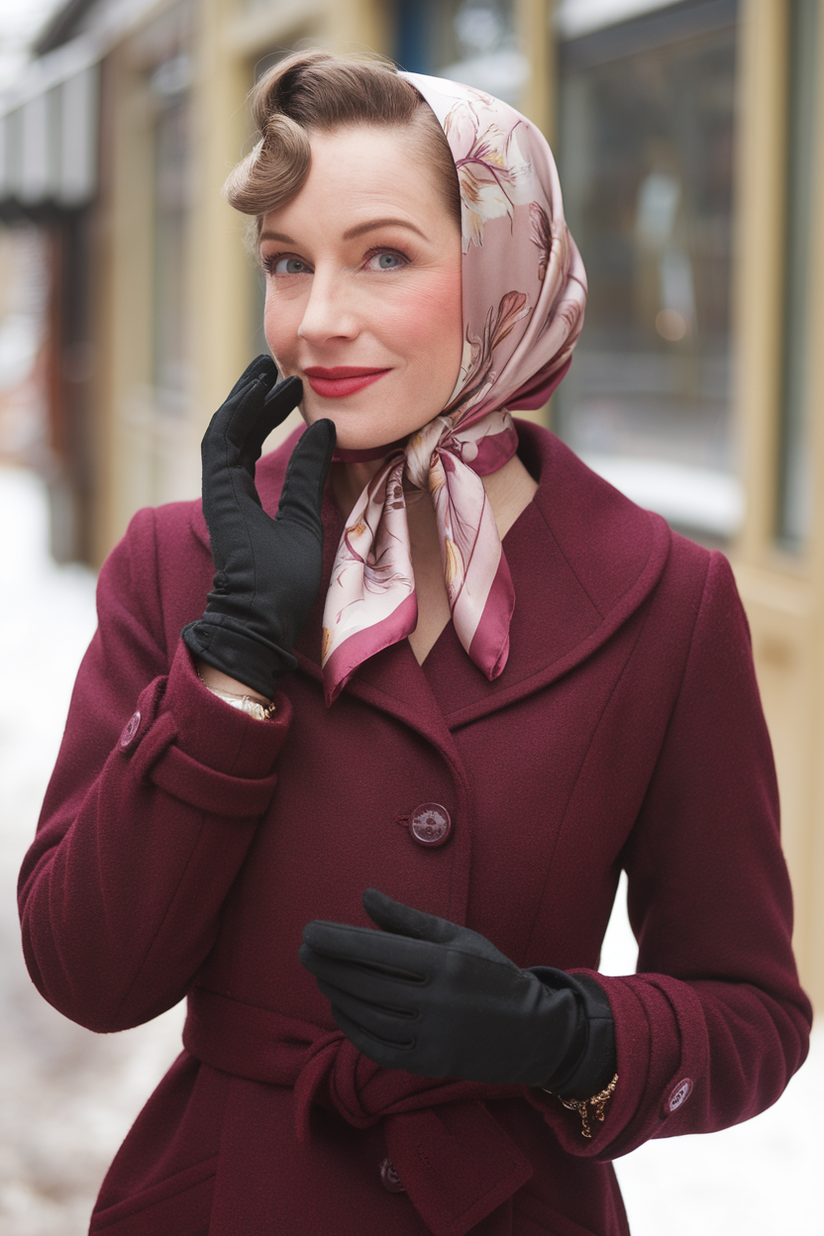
(342, 380)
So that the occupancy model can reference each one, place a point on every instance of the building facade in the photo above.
(689, 136)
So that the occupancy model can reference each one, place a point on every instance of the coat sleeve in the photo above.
(152, 806)
(713, 1025)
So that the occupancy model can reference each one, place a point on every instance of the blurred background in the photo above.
(690, 141)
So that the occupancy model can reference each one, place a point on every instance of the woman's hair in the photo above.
(315, 91)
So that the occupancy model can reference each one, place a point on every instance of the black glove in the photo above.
(267, 571)
(437, 999)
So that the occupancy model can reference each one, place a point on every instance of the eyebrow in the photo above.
(281, 236)
(353, 232)
(374, 224)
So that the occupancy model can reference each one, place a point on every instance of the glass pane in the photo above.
(645, 154)
(795, 480)
(470, 41)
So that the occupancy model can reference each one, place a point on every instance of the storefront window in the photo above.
(471, 41)
(645, 151)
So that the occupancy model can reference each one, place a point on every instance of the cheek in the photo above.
(280, 326)
(432, 326)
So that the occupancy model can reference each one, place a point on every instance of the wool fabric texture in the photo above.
(523, 293)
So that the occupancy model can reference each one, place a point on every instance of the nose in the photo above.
(329, 312)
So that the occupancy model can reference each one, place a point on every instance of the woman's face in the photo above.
(363, 287)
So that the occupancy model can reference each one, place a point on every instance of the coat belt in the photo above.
(455, 1161)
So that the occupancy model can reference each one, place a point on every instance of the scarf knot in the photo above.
(422, 449)
(371, 600)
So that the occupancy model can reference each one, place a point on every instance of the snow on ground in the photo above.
(69, 1095)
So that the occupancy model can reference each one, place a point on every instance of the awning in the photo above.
(49, 130)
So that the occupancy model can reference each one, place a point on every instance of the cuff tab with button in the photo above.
(215, 792)
(158, 759)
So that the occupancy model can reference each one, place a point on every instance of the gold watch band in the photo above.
(260, 709)
(597, 1102)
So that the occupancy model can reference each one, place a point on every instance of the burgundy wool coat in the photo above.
(184, 845)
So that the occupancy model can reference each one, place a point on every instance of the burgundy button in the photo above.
(130, 729)
(430, 824)
(389, 1177)
(679, 1094)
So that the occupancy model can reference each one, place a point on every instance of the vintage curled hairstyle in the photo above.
(316, 91)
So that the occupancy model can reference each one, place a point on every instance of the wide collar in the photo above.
(583, 558)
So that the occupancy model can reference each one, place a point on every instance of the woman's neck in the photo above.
(510, 491)
(349, 481)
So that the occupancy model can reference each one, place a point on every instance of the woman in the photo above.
(512, 683)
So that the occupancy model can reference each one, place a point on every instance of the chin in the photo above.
(353, 441)
(353, 433)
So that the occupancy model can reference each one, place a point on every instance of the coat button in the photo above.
(430, 824)
(130, 729)
(389, 1177)
(679, 1094)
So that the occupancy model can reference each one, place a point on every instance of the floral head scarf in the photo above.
(524, 290)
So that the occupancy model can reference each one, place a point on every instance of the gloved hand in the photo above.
(437, 999)
(267, 571)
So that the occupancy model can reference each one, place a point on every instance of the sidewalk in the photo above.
(69, 1095)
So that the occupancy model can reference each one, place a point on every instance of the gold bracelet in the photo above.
(254, 706)
(598, 1103)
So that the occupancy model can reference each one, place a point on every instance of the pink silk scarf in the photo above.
(524, 290)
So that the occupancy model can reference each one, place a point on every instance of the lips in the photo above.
(342, 380)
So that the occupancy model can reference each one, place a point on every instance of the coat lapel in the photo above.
(582, 559)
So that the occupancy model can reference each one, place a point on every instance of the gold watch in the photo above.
(260, 709)
(246, 703)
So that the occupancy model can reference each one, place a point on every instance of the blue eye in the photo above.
(289, 266)
(386, 261)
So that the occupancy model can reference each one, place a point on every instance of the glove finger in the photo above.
(279, 402)
(390, 955)
(403, 920)
(232, 443)
(392, 1026)
(261, 367)
(248, 433)
(255, 413)
(394, 916)
(302, 494)
(224, 439)
(377, 984)
(238, 413)
(388, 1055)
